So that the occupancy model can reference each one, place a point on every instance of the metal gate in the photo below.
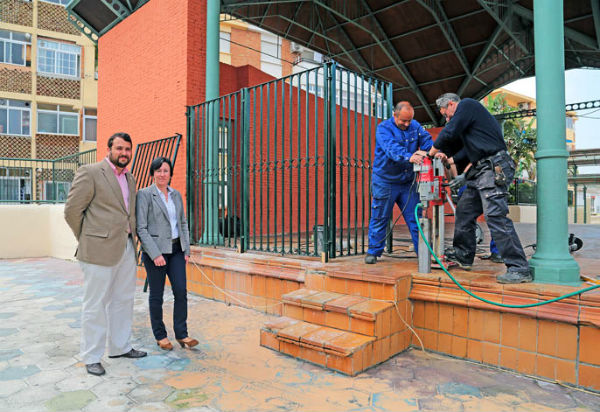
(146, 152)
(285, 166)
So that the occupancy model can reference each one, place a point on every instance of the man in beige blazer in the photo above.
(100, 210)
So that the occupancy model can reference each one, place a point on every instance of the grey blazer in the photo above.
(153, 227)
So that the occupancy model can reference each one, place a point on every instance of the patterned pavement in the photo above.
(40, 368)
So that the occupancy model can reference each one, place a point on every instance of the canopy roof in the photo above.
(424, 47)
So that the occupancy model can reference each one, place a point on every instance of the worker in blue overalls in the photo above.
(400, 142)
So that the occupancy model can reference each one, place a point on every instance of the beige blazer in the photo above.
(153, 225)
(96, 213)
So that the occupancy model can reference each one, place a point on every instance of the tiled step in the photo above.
(346, 352)
(356, 314)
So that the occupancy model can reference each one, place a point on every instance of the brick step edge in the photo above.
(286, 273)
(369, 355)
(349, 365)
(379, 324)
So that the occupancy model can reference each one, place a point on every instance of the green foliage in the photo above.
(522, 193)
(520, 136)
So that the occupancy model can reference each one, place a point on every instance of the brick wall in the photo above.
(149, 70)
(15, 80)
(53, 17)
(16, 12)
(15, 146)
(50, 146)
(58, 87)
(240, 55)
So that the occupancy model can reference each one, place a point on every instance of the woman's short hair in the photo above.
(158, 162)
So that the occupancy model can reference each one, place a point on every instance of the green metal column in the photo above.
(212, 48)
(552, 262)
(574, 202)
(575, 195)
(213, 8)
(584, 204)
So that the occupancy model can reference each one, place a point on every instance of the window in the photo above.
(58, 58)
(570, 122)
(223, 150)
(14, 117)
(15, 184)
(54, 119)
(224, 42)
(61, 2)
(14, 47)
(56, 191)
(90, 121)
(270, 54)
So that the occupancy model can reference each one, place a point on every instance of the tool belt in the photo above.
(494, 158)
(494, 164)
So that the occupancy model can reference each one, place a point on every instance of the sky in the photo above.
(581, 85)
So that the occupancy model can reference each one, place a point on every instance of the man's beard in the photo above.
(117, 163)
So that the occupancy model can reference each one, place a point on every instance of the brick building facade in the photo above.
(48, 86)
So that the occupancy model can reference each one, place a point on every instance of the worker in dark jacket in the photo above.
(397, 145)
(487, 178)
(457, 162)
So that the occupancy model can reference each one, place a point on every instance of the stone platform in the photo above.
(554, 341)
(40, 369)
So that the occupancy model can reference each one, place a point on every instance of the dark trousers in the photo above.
(385, 196)
(175, 270)
(485, 195)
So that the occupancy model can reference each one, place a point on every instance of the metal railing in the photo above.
(146, 152)
(285, 166)
(40, 180)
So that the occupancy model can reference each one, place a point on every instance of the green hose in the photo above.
(530, 305)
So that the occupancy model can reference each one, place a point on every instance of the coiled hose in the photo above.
(504, 305)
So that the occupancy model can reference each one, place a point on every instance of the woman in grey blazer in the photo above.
(162, 229)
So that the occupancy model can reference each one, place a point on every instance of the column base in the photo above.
(557, 271)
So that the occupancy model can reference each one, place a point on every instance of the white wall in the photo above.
(522, 214)
(35, 231)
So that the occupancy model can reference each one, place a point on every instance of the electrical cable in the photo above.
(530, 305)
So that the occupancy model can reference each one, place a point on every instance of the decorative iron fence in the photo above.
(40, 180)
(146, 152)
(285, 166)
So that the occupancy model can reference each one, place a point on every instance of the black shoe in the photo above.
(370, 259)
(133, 354)
(95, 369)
(452, 257)
(515, 277)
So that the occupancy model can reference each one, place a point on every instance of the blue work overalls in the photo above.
(392, 180)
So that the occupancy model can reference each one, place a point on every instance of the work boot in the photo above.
(370, 259)
(515, 277)
(453, 257)
(496, 258)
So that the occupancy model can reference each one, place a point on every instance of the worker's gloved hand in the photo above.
(458, 182)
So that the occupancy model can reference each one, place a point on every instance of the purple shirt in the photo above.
(122, 179)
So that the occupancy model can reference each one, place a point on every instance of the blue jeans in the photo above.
(385, 195)
(175, 270)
